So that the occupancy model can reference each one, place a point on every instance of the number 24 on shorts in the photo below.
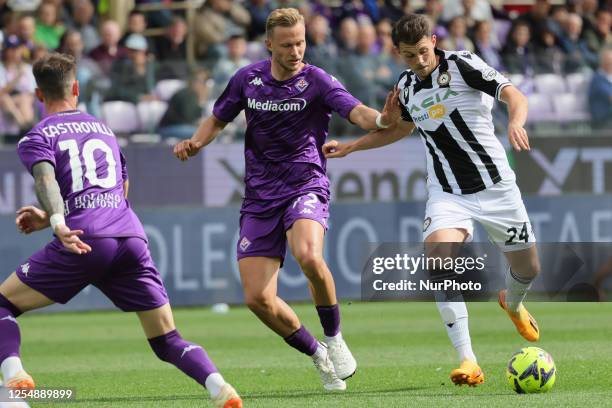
(522, 236)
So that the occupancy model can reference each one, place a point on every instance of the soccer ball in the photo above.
(531, 369)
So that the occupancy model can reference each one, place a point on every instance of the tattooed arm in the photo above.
(51, 201)
(47, 189)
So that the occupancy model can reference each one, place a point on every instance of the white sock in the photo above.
(337, 337)
(214, 383)
(517, 289)
(320, 353)
(455, 318)
(10, 367)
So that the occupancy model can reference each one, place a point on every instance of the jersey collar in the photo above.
(427, 83)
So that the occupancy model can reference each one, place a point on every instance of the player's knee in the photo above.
(311, 263)
(258, 302)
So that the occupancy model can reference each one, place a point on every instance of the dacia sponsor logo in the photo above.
(434, 109)
(285, 105)
(432, 100)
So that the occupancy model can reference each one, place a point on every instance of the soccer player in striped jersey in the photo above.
(81, 182)
(447, 97)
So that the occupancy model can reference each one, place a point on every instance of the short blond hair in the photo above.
(283, 17)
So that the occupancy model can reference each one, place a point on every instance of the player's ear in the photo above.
(75, 88)
(434, 39)
(39, 94)
(268, 44)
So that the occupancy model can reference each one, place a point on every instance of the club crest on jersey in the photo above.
(301, 85)
(444, 78)
(489, 74)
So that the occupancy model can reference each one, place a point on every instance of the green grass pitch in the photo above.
(402, 350)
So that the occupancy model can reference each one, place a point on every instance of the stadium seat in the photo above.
(150, 113)
(578, 82)
(122, 117)
(540, 108)
(168, 87)
(549, 84)
(571, 108)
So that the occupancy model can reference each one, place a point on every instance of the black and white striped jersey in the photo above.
(451, 109)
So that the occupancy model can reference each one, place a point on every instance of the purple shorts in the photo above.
(121, 268)
(265, 235)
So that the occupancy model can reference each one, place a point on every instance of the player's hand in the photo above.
(30, 219)
(186, 149)
(518, 137)
(391, 111)
(70, 239)
(335, 149)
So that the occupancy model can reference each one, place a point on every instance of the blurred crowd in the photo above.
(144, 59)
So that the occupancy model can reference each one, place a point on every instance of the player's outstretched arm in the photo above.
(50, 198)
(334, 149)
(369, 119)
(206, 133)
(517, 113)
(30, 219)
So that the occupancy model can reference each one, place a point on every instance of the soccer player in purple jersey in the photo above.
(81, 183)
(288, 104)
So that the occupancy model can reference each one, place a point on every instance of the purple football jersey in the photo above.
(287, 123)
(90, 170)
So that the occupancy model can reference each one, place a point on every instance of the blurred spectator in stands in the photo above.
(216, 22)
(259, 11)
(390, 64)
(537, 18)
(577, 54)
(83, 22)
(347, 36)
(549, 57)
(186, 108)
(471, 10)
(133, 78)
(26, 28)
(157, 18)
(227, 67)
(136, 24)
(321, 50)
(518, 55)
(599, 36)
(92, 82)
(587, 10)
(17, 86)
(38, 52)
(483, 46)
(358, 68)
(171, 50)
(600, 92)
(110, 50)
(557, 20)
(48, 28)
(433, 10)
(457, 39)
(395, 9)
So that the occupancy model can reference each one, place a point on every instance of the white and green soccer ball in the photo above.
(531, 370)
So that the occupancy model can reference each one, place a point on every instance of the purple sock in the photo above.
(303, 341)
(10, 338)
(330, 319)
(188, 357)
